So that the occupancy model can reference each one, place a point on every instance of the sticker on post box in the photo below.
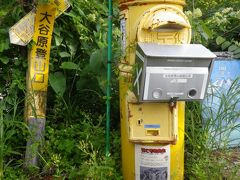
(151, 126)
(124, 35)
(152, 162)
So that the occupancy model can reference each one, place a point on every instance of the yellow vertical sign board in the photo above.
(40, 52)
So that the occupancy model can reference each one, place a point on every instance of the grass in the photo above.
(12, 136)
(1, 142)
(207, 155)
(210, 152)
(74, 141)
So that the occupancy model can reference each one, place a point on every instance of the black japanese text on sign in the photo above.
(40, 53)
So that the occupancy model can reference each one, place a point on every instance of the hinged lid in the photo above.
(193, 51)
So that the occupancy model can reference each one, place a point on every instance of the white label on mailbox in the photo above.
(152, 162)
(124, 35)
(176, 81)
(177, 75)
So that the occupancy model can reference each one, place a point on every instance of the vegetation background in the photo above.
(75, 130)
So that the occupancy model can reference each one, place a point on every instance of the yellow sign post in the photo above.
(37, 25)
(37, 79)
(152, 134)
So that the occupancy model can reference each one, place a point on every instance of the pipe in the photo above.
(109, 69)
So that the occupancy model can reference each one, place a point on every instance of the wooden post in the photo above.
(39, 27)
(37, 81)
(35, 110)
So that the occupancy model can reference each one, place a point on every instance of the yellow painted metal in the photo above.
(138, 16)
(128, 147)
(177, 150)
(140, 115)
(124, 3)
(128, 158)
(164, 24)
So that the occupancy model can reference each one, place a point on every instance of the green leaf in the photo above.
(220, 40)
(205, 31)
(87, 82)
(66, 145)
(4, 59)
(4, 45)
(72, 46)
(64, 54)
(236, 51)
(233, 48)
(81, 83)
(98, 59)
(102, 7)
(237, 56)
(58, 40)
(102, 81)
(58, 83)
(69, 65)
(225, 45)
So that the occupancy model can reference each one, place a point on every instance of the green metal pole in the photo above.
(109, 69)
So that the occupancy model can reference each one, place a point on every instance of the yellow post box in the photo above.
(152, 133)
(158, 72)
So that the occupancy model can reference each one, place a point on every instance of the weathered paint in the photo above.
(133, 11)
(124, 4)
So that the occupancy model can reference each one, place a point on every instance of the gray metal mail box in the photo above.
(163, 72)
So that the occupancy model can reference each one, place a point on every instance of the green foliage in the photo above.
(81, 54)
(69, 65)
(229, 46)
(200, 30)
(208, 27)
(211, 6)
(75, 110)
(74, 146)
(78, 150)
(13, 133)
(208, 129)
(81, 57)
(58, 83)
(12, 62)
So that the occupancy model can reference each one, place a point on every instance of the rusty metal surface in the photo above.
(139, 2)
(132, 12)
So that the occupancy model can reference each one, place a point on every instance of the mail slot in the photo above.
(165, 72)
